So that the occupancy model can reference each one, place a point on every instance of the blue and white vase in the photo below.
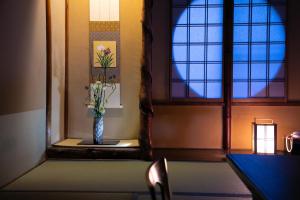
(98, 130)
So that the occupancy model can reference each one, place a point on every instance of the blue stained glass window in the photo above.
(179, 53)
(259, 33)
(278, 13)
(215, 15)
(180, 72)
(197, 72)
(215, 1)
(214, 90)
(275, 33)
(197, 16)
(240, 52)
(241, 1)
(259, 71)
(258, 60)
(240, 71)
(258, 1)
(277, 52)
(240, 33)
(197, 51)
(240, 89)
(197, 34)
(258, 49)
(197, 2)
(215, 34)
(258, 52)
(258, 89)
(181, 35)
(241, 14)
(259, 14)
(196, 89)
(214, 53)
(214, 71)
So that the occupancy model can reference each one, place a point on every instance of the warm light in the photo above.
(264, 136)
(104, 10)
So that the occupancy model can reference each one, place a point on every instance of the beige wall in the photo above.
(22, 66)
(118, 123)
(22, 86)
(187, 127)
(78, 69)
(175, 127)
(58, 69)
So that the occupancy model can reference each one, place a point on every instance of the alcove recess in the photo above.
(70, 70)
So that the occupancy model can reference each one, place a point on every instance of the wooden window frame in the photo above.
(227, 100)
(227, 63)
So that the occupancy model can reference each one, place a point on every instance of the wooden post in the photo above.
(146, 108)
(227, 59)
(66, 100)
(49, 72)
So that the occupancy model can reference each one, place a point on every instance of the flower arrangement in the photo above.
(97, 90)
(104, 56)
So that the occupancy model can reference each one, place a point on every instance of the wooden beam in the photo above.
(146, 108)
(49, 72)
(227, 85)
(66, 107)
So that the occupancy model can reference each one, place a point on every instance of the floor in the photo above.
(124, 179)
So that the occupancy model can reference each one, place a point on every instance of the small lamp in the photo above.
(264, 136)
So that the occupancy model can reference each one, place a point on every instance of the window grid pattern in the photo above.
(259, 49)
(196, 70)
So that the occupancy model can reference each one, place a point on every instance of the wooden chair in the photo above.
(157, 174)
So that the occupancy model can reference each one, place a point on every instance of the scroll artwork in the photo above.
(104, 30)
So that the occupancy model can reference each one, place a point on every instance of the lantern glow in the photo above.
(264, 136)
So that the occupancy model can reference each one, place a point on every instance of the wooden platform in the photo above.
(70, 148)
(76, 143)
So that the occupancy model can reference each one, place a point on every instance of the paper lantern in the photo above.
(264, 136)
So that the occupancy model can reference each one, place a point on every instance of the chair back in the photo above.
(157, 174)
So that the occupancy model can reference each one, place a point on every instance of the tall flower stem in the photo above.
(105, 75)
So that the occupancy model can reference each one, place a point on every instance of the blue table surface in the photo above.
(273, 176)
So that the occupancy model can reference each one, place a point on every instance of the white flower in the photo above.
(91, 106)
(100, 48)
(98, 97)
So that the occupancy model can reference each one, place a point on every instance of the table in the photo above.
(269, 176)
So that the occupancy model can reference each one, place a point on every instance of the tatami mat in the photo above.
(212, 180)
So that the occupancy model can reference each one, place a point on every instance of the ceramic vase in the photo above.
(98, 130)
